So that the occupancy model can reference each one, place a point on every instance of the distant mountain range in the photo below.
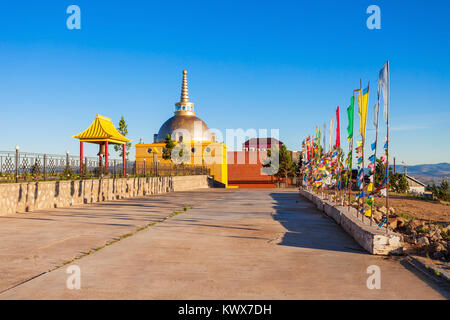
(427, 173)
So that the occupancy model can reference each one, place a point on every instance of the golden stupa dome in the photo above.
(184, 123)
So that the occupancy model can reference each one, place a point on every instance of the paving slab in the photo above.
(37, 242)
(233, 244)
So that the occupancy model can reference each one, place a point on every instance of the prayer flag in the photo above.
(338, 133)
(383, 83)
(363, 100)
(350, 115)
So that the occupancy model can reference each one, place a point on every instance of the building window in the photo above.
(149, 150)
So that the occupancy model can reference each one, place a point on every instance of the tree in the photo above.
(123, 129)
(441, 191)
(380, 172)
(398, 182)
(286, 166)
(167, 151)
(299, 164)
(183, 154)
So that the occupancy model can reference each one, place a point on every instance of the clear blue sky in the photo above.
(251, 64)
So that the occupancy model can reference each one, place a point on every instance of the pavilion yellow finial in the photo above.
(184, 106)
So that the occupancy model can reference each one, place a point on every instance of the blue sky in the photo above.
(251, 64)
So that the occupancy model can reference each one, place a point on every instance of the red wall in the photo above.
(244, 174)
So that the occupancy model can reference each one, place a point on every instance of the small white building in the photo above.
(415, 186)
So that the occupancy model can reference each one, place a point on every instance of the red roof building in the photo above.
(260, 144)
(245, 167)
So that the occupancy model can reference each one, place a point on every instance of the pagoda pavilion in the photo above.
(103, 133)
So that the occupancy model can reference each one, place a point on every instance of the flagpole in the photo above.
(350, 171)
(351, 156)
(338, 180)
(362, 149)
(338, 130)
(371, 215)
(362, 152)
(387, 155)
(374, 169)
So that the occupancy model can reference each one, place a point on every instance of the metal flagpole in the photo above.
(351, 155)
(375, 152)
(386, 89)
(387, 175)
(350, 166)
(362, 166)
(363, 144)
(374, 171)
(362, 149)
(387, 161)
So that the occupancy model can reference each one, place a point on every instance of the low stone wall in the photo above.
(371, 238)
(29, 196)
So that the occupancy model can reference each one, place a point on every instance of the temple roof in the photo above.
(101, 130)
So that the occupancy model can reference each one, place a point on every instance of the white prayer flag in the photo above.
(331, 134)
(383, 83)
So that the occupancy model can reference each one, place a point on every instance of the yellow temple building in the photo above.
(190, 134)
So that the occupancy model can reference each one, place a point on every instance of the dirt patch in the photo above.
(419, 209)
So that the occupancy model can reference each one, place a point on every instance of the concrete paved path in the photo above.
(233, 244)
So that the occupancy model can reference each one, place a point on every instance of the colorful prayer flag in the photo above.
(363, 100)
(338, 133)
(350, 115)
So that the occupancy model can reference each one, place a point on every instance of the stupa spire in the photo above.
(184, 88)
(184, 105)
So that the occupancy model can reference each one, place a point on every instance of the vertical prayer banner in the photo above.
(350, 115)
(363, 101)
(338, 132)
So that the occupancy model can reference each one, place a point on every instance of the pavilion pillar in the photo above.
(81, 158)
(100, 162)
(124, 161)
(106, 157)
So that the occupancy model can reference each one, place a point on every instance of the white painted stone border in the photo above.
(373, 239)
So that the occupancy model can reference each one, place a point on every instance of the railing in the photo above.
(18, 166)
(162, 169)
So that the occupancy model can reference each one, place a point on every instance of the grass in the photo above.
(405, 216)
(414, 196)
(422, 230)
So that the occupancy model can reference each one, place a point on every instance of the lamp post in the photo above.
(17, 163)
(404, 167)
(67, 162)
(124, 161)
